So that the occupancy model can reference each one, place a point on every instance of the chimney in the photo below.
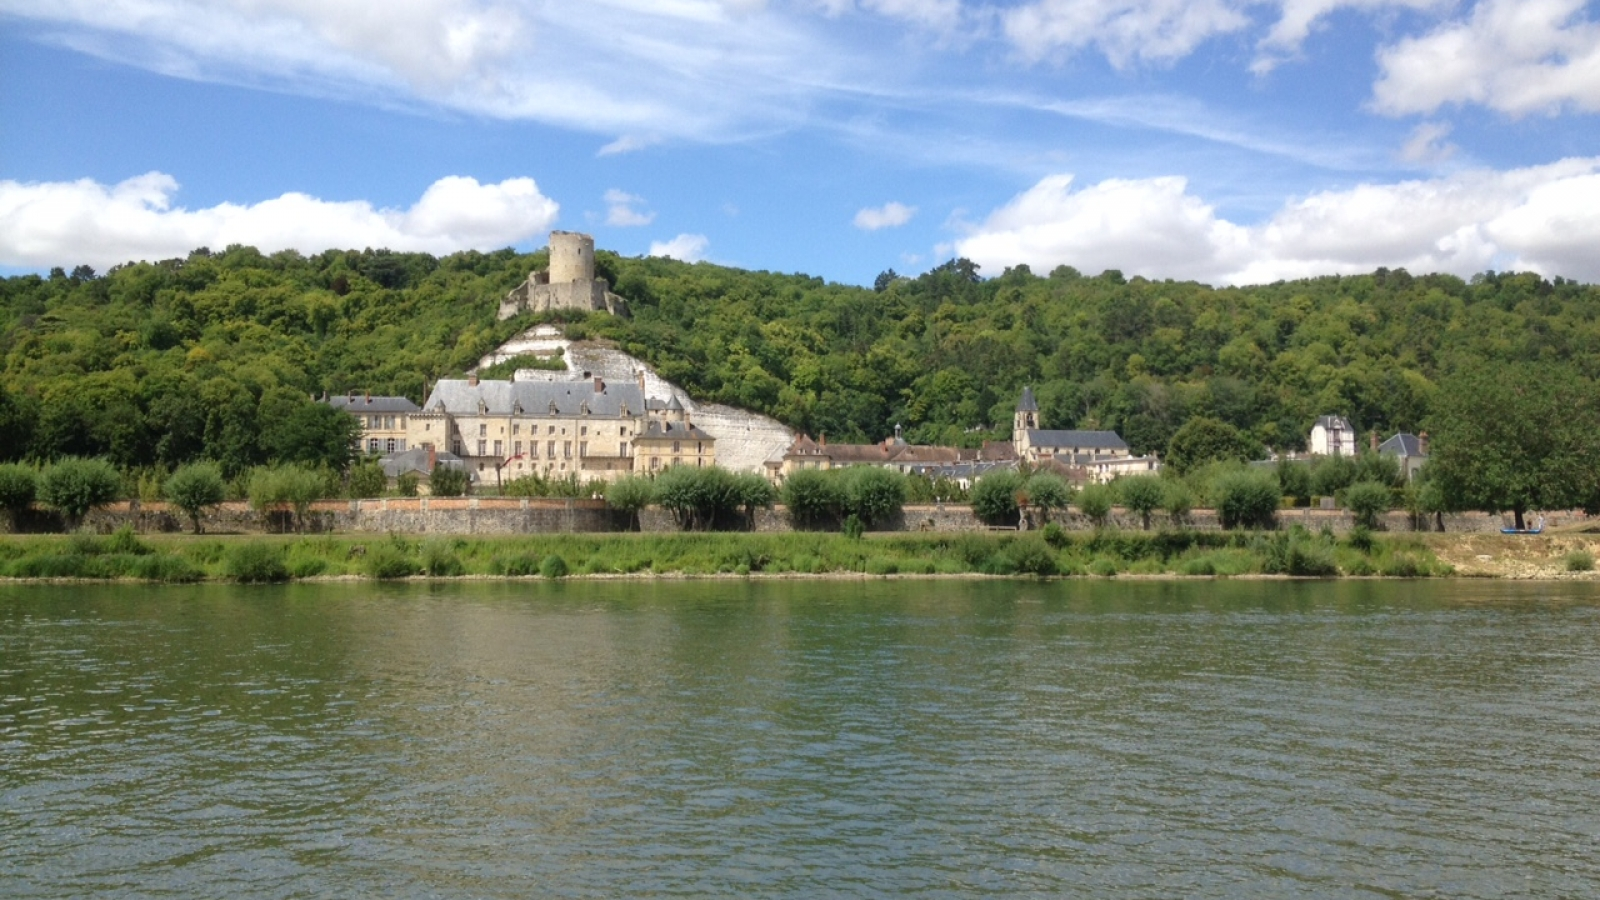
(369, 398)
(472, 380)
(640, 375)
(1422, 443)
(824, 439)
(599, 385)
(433, 458)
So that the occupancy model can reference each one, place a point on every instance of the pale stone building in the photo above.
(384, 420)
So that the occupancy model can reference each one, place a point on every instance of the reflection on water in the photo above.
(1096, 739)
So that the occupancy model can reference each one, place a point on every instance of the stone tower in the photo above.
(571, 257)
(1024, 420)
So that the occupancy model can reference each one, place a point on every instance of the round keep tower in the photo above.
(571, 257)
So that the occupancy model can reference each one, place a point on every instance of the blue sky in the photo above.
(1228, 141)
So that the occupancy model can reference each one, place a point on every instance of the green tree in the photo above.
(1368, 500)
(752, 492)
(74, 486)
(814, 498)
(629, 495)
(194, 488)
(1294, 479)
(18, 486)
(312, 434)
(1178, 501)
(1246, 499)
(1048, 492)
(1202, 439)
(874, 494)
(697, 497)
(1094, 501)
(994, 496)
(1332, 474)
(1519, 438)
(1142, 494)
(448, 481)
(293, 486)
(367, 480)
(406, 485)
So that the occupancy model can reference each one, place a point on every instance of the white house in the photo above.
(1332, 435)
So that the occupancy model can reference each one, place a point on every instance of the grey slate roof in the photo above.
(534, 398)
(671, 431)
(1402, 444)
(362, 404)
(416, 460)
(1332, 422)
(1027, 403)
(1096, 440)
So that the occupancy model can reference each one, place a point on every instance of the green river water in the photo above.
(801, 739)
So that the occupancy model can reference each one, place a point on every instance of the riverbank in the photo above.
(1293, 552)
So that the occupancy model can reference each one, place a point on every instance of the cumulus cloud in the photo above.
(1543, 218)
(1127, 31)
(890, 215)
(684, 247)
(61, 223)
(1427, 144)
(1299, 17)
(620, 211)
(1515, 56)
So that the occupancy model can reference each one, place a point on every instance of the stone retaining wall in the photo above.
(512, 515)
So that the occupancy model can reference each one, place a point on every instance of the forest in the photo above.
(220, 356)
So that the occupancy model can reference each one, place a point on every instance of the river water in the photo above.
(801, 739)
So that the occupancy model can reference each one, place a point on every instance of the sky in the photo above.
(1224, 141)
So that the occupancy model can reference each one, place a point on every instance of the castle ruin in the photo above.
(567, 283)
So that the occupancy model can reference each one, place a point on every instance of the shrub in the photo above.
(1198, 566)
(1032, 556)
(1094, 501)
(1142, 494)
(1246, 499)
(160, 567)
(440, 561)
(1367, 500)
(195, 488)
(1331, 474)
(1309, 559)
(880, 566)
(389, 560)
(307, 567)
(874, 494)
(1402, 565)
(1294, 479)
(257, 563)
(367, 480)
(123, 540)
(75, 486)
(1054, 535)
(1178, 502)
(18, 486)
(1103, 568)
(553, 566)
(994, 497)
(406, 485)
(853, 527)
(1580, 561)
(1361, 538)
(447, 481)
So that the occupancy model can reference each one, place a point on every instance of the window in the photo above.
(391, 445)
(497, 450)
(675, 447)
(583, 448)
(516, 427)
(550, 449)
(372, 445)
(533, 449)
(483, 430)
(584, 431)
(455, 447)
(700, 446)
(483, 449)
(566, 450)
(655, 463)
(388, 422)
(402, 443)
(551, 431)
(622, 448)
(516, 448)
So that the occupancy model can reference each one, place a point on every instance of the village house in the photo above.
(1332, 436)
(383, 420)
(421, 462)
(1410, 450)
(1102, 455)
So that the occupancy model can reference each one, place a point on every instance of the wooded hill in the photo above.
(216, 355)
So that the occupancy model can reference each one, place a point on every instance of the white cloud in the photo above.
(620, 211)
(935, 14)
(684, 247)
(1127, 31)
(61, 223)
(890, 215)
(1515, 56)
(628, 143)
(1543, 218)
(1300, 17)
(1427, 144)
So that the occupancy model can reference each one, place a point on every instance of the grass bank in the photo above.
(182, 558)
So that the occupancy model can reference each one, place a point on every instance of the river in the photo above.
(1097, 739)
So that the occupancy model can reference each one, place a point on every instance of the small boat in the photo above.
(1538, 528)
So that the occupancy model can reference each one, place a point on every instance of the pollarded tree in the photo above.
(75, 486)
(18, 486)
(1142, 494)
(874, 494)
(994, 496)
(814, 498)
(1048, 492)
(1517, 437)
(1094, 501)
(629, 495)
(194, 488)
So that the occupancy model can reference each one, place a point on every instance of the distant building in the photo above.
(1332, 435)
(421, 462)
(890, 453)
(1102, 455)
(1410, 449)
(384, 420)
